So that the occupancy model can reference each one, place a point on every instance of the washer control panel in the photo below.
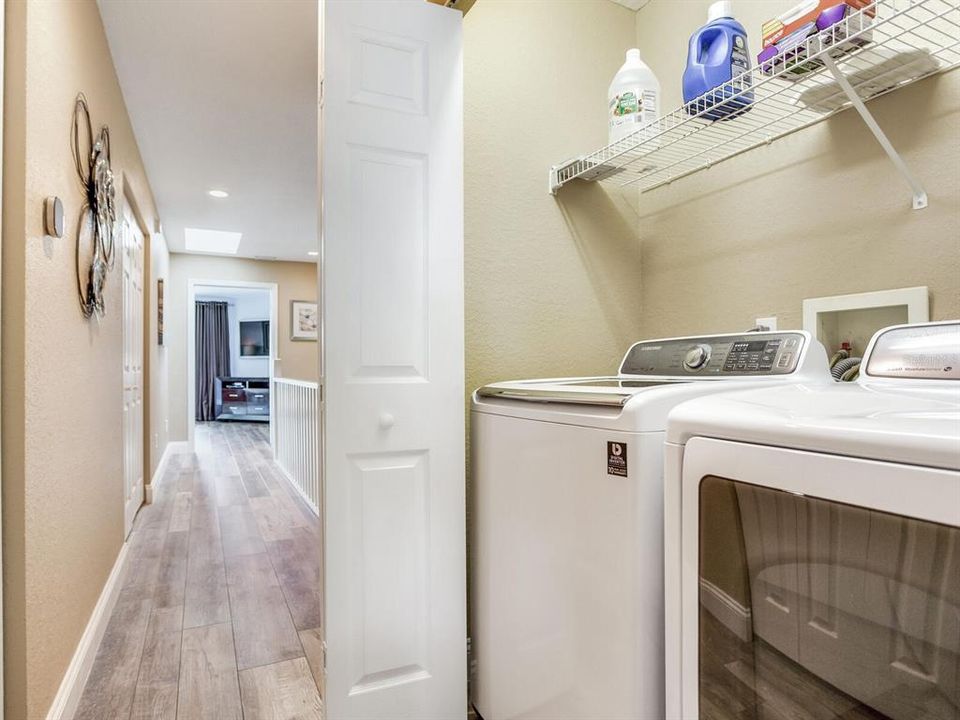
(750, 354)
(755, 355)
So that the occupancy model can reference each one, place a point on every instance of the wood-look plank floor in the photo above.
(219, 615)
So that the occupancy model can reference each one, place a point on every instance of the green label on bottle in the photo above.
(626, 104)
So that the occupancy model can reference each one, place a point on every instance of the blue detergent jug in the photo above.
(717, 54)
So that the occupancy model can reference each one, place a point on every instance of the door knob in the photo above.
(386, 420)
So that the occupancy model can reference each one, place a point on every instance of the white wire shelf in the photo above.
(883, 46)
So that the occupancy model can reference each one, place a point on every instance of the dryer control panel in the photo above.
(745, 355)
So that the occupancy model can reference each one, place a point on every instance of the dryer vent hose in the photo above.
(851, 374)
(838, 356)
(843, 366)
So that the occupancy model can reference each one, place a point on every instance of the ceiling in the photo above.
(223, 95)
(632, 4)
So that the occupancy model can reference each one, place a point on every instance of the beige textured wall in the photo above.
(63, 489)
(295, 281)
(552, 285)
(821, 212)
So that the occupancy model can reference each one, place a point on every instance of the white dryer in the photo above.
(812, 537)
(566, 592)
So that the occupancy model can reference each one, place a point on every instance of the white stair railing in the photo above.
(297, 435)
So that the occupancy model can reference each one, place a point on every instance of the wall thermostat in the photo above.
(53, 217)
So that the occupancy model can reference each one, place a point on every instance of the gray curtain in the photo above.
(213, 355)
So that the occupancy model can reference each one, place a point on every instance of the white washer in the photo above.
(812, 537)
(567, 594)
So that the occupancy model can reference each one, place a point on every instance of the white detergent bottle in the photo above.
(634, 99)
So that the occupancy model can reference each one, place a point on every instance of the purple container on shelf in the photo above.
(831, 16)
(789, 52)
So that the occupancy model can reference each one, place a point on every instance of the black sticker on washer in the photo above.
(617, 459)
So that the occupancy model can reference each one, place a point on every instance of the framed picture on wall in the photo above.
(160, 311)
(304, 321)
(254, 338)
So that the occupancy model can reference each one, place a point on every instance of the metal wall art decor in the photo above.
(97, 221)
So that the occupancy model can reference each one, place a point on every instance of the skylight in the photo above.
(212, 241)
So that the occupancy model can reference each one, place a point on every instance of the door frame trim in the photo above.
(3, 12)
(192, 285)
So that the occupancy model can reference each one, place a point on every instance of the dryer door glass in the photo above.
(815, 609)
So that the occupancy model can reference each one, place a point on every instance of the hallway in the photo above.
(219, 614)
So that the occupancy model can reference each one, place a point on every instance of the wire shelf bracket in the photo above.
(919, 194)
(881, 47)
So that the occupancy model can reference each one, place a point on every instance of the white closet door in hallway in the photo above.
(393, 508)
(131, 253)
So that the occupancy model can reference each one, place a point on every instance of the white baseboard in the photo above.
(162, 465)
(293, 483)
(172, 448)
(734, 616)
(157, 474)
(71, 687)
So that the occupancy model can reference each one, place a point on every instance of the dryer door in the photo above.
(815, 586)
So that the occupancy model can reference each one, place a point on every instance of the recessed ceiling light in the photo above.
(218, 193)
(212, 241)
(312, 253)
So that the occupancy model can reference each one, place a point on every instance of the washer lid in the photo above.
(771, 356)
(605, 391)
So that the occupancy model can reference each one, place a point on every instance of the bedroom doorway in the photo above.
(231, 352)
